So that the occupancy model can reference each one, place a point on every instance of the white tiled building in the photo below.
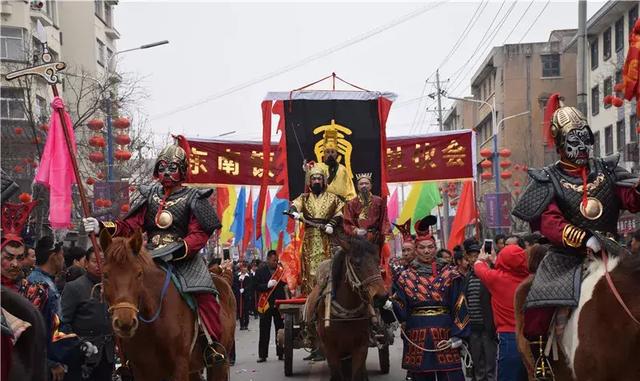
(608, 36)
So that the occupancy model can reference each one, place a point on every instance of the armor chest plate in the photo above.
(172, 223)
(603, 207)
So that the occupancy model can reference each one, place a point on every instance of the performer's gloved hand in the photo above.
(388, 305)
(91, 225)
(242, 290)
(328, 229)
(361, 232)
(296, 215)
(456, 342)
(593, 244)
(272, 283)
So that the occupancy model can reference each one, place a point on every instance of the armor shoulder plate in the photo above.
(204, 212)
(611, 161)
(536, 197)
(141, 200)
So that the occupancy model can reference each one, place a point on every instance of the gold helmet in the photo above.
(560, 120)
(172, 154)
(330, 137)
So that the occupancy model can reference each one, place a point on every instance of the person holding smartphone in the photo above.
(510, 269)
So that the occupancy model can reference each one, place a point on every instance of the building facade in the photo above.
(614, 128)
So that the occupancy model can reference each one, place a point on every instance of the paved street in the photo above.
(246, 368)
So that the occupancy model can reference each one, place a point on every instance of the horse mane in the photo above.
(120, 253)
(536, 253)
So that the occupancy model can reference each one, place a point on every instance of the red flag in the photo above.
(248, 224)
(267, 238)
(222, 200)
(466, 214)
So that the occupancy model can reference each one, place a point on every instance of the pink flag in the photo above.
(55, 170)
(392, 206)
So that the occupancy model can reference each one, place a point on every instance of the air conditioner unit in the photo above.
(36, 4)
(632, 152)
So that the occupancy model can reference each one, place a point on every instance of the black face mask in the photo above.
(316, 188)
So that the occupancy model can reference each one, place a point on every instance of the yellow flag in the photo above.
(227, 216)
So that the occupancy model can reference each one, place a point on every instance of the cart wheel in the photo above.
(383, 357)
(288, 345)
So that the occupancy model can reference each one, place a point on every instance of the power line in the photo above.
(465, 32)
(517, 23)
(304, 61)
(415, 116)
(536, 20)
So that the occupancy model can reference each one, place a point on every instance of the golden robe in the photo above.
(342, 184)
(323, 209)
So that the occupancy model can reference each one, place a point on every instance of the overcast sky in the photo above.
(217, 47)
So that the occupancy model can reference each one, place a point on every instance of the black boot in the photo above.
(542, 367)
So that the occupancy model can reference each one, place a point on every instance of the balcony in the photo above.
(42, 16)
(112, 33)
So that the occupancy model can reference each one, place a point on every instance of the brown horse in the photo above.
(168, 348)
(600, 339)
(359, 286)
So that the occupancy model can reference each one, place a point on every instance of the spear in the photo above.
(49, 72)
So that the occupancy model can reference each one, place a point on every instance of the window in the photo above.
(109, 55)
(621, 135)
(41, 108)
(550, 65)
(108, 15)
(633, 16)
(606, 44)
(100, 48)
(607, 89)
(99, 8)
(596, 144)
(12, 44)
(608, 140)
(594, 53)
(633, 125)
(620, 34)
(12, 103)
(50, 8)
(595, 100)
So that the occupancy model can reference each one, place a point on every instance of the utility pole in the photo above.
(582, 57)
(445, 201)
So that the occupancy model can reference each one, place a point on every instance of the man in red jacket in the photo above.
(510, 270)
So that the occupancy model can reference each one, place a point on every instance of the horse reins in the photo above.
(614, 290)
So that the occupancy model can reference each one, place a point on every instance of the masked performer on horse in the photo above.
(429, 299)
(178, 222)
(568, 202)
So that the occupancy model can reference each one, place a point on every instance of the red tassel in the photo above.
(552, 105)
(583, 173)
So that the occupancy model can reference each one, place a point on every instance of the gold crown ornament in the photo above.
(367, 176)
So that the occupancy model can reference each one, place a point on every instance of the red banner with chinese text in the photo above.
(434, 157)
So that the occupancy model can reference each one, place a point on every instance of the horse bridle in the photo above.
(359, 285)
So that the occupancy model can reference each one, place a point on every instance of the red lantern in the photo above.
(124, 208)
(34, 165)
(121, 123)
(516, 183)
(505, 164)
(607, 100)
(506, 175)
(486, 176)
(123, 154)
(123, 139)
(99, 203)
(618, 87)
(505, 152)
(100, 175)
(97, 141)
(516, 192)
(525, 168)
(486, 152)
(18, 130)
(486, 164)
(107, 203)
(44, 127)
(24, 197)
(96, 157)
(95, 124)
(618, 102)
(91, 181)
(18, 169)
(517, 167)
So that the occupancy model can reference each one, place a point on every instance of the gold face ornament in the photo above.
(592, 210)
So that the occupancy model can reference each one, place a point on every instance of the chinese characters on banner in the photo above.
(447, 156)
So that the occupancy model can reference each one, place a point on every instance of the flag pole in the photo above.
(49, 72)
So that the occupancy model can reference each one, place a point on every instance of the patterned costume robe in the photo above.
(371, 216)
(326, 208)
(433, 307)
